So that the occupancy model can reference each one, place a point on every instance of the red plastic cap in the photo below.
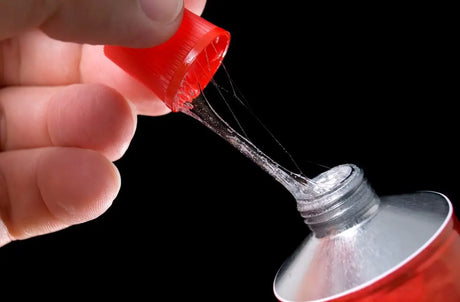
(177, 70)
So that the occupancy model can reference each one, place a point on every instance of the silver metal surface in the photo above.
(324, 267)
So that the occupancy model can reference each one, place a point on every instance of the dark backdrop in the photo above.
(372, 86)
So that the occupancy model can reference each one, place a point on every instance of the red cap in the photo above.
(177, 70)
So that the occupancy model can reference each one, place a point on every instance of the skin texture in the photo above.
(66, 111)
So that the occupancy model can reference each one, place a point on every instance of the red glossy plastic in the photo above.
(177, 70)
(432, 276)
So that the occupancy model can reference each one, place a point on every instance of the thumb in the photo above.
(133, 23)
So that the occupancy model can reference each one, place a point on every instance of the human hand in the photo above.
(66, 111)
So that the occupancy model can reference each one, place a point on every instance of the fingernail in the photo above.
(162, 10)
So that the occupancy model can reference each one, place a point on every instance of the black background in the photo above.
(195, 219)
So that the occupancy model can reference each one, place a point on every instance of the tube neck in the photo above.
(343, 199)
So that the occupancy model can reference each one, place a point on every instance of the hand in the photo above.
(66, 111)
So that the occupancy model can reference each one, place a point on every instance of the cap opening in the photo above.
(197, 68)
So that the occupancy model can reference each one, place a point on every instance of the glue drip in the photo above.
(301, 187)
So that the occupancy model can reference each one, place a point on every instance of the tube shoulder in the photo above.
(335, 265)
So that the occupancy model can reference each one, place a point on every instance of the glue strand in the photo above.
(298, 185)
